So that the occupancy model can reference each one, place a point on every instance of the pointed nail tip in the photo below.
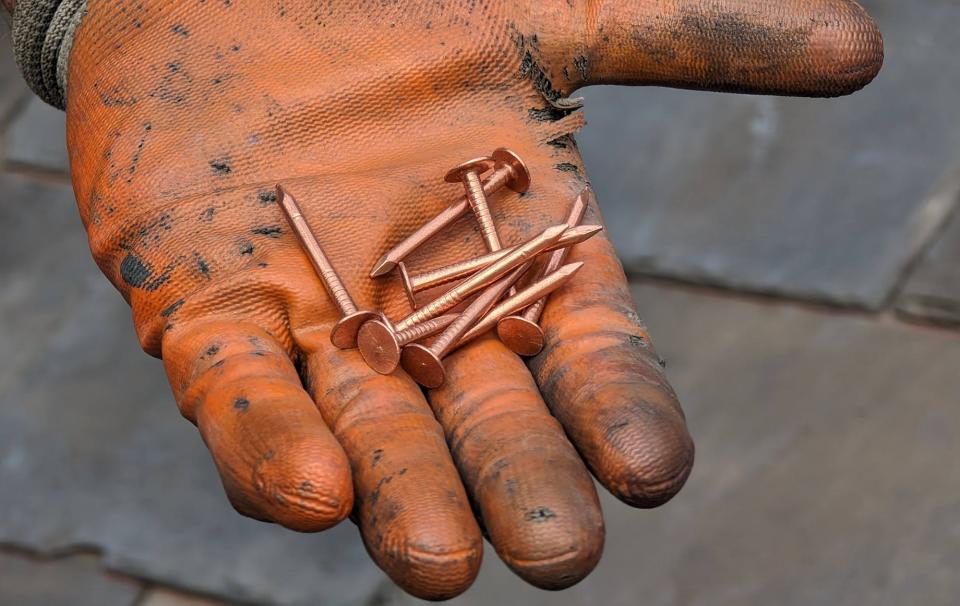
(590, 231)
(567, 271)
(382, 267)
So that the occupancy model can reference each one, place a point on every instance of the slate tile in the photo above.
(821, 199)
(824, 472)
(70, 581)
(93, 451)
(37, 138)
(932, 291)
(13, 89)
(163, 596)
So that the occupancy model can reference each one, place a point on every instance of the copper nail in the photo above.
(522, 333)
(469, 173)
(495, 271)
(424, 363)
(344, 333)
(414, 283)
(405, 279)
(538, 290)
(509, 171)
(380, 345)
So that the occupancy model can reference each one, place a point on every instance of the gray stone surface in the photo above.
(93, 451)
(825, 473)
(71, 581)
(820, 199)
(12, 88)
(933, 289)
(37, 137)
(162, 596)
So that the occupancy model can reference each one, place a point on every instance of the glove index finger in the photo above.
(531, 490)
(603, 381)
(411, 507)
(277, 459)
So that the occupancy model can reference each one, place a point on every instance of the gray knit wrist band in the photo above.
(42, 38)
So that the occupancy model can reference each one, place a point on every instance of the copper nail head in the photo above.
(379, 347)
(380, 344)
(344, 333)
(476, 165)
(520, 335)
(520, 181)
(423, 365)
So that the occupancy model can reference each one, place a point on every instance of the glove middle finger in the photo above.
(533, 494)
(411, 507)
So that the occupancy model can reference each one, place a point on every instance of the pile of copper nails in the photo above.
(505, 289)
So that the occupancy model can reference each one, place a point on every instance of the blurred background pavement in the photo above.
(797, 261)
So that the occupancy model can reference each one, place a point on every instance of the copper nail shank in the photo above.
(495, 182)
(480, 306)
(344, 332)
(425, 329)
(478, 202)
(443, 275)
(424, 363)
(331, 281)
(457, 294)
(537, 290)
(577, 211)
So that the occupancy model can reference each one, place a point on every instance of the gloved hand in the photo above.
(182, 118)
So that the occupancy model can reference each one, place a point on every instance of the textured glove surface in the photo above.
(183, 116)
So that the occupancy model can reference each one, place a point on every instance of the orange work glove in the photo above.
(183, 116)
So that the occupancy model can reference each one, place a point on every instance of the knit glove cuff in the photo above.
(43, 33)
